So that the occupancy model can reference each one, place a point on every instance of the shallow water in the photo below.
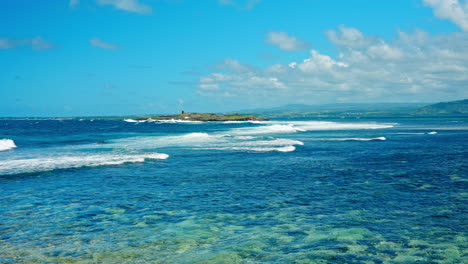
(109, 191)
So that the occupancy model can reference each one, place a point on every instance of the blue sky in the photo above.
(122, 57)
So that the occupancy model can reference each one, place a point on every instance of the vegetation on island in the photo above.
(209, 117)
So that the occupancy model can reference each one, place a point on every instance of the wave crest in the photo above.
(66, 162)
(353, 139)
(6, 144)
(271, 129)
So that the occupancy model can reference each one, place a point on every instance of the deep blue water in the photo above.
(105, 191)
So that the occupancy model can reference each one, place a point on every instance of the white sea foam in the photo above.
(322, 125)
(196, 136)
(149, 120)
(351, 139)
(273, 142)
(65, 162)
(152, 142)
(432, 133)
(270, 129)
(257, 149)
(237, 122)
(134, 121)
(207, 141)
(404, 133)
(178, 121)
(280, 127)
(368, 139)
(6, 144)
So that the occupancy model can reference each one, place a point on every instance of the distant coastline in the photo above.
(453, 109)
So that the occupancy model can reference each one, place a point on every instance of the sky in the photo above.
(127, 57)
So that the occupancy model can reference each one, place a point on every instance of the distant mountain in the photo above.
(337, 107)
(348, 110)
(445, 108)
(363, 110)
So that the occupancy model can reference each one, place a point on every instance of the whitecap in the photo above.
(328, 125)
(72, 161)
(270, 129)
(432, 133)
(404, 133)
(237, 122)
(130, 120)
(257, 149)
(206, 141)
(175, 121)
(6, 144)
(283, 127)
(322, 125)
(352, 139)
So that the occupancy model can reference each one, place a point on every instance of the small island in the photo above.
(207, 117)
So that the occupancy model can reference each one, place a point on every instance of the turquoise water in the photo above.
(109, 191)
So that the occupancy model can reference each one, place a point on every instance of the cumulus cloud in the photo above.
(415, 66)
(101, 44)
(452, 10)
(128, 5)
(36, 43)
(347, 36)
(286, 42)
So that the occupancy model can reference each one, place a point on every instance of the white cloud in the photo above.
(128, 5)
(318, 62)
(285, 42)
(101, 44)
(452, 10)
(415, 66)
(37, 43)
(345, 36)
(384, 51)
(234, 66)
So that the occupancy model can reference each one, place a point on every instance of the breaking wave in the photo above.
(281, 127)
(169, 121)
(134, 121)
(258, 149)
(207, 141)
(65, 162)
(178, 121)
(271, 129)
(353, 139)
(6, 144)
(418, 133)
(325, 125)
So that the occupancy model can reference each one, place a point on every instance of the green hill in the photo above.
(445, 108)
(374, 110)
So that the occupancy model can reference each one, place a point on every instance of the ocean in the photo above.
(280, 191)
